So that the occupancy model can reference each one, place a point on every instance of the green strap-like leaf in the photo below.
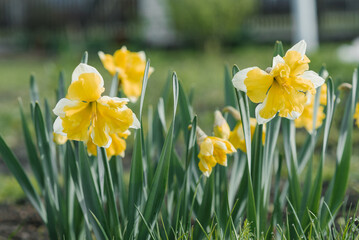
(16, 169)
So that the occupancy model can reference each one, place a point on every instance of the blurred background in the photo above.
(197, 39)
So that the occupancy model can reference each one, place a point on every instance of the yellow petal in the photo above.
(77, 120)
(297, 63)
(273, 102)
(117, 147)
(115, 113)
(87, 88)
(132, 89)
(206, 147)
(356, 115)
(108, 62)
(120, 57)
(302, 84)
(91, 148)
(236, 137)
(111, 116)
(257, 84)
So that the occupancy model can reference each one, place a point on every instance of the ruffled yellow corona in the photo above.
(282, 88)
(84, 114)
(213, 150)
(130, 67)
(306, 119)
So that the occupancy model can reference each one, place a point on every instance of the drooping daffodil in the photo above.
(130, 67)
(282, 88)
(306, 119)
(236, 136)
(85, 114)
(221, 128)
(213, 150)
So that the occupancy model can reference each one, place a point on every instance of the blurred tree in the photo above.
(201, 21)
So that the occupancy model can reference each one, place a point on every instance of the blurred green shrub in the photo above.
(204, 21)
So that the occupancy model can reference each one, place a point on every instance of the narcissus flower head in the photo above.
(85, 114)
(213, 150)
(306, 119)
(221, 128)
(283, 87)
(130, 67)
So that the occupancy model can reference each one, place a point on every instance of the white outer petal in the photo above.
(218, 119)
(59, 108)
(142, 55)
(295, 115)
(309, 98)
(261, 120)
(115, 99)
(136, 124)
(133, 99)
(108, 143)
(313, 77)
(58, 128)
(300, 47)
(277, 59)
(221, 145)
(101, 55)
(151, 70)
(238, 79)
(84, 68)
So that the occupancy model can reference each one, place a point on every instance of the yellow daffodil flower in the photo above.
(117, 147)
(356, 115)
(59, 139)
(306, 119)
(221, 128)
(283, 87)
(84, 114)
(130, 67)
(213, 150)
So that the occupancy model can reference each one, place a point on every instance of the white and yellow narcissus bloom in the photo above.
(130, 67)
(213, 150)
(84, 114)
(281, 89)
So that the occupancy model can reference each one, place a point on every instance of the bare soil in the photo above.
(21, 221)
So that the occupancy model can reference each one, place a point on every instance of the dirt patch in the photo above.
(21, 221)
